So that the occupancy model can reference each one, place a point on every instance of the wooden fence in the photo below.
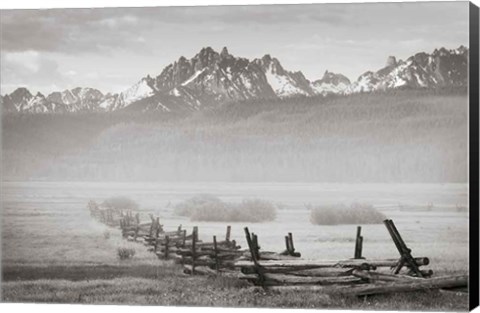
(283, 270)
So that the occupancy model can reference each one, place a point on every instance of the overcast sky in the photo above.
(111, 49)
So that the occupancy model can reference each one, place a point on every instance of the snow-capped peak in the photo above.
(331, 83)
(141, 90)
(210, 78)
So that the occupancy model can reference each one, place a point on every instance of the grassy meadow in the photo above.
(53, 251)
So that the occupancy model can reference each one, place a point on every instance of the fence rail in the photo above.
(285, 270)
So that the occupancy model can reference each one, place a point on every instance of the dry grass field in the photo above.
(53, 251)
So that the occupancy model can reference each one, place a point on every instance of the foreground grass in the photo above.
(175, 289)
(54, 252)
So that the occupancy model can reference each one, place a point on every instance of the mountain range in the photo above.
(211, 78)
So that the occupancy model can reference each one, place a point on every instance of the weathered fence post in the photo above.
(258, 269)
(137, 228)
(405, 252)
(194, 252)
(159, 228)
(227, 235)
(292, 247)
(256, 247)
(184, 238)
(215, 250)
(358, 244)
(287, 246)
(290, 239)
(152, 226)
(167, 242)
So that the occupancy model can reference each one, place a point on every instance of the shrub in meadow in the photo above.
(209, 208)
(125, 253)
(120, 204)
(356, 213)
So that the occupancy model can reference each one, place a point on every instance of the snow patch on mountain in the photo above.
(331, 83)
(68, 97)
(108, 103)
(139, 91)
(329, 88)
(282, 85)
(175, 92)
(194, 76)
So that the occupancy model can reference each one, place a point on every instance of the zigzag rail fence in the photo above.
(285, 270)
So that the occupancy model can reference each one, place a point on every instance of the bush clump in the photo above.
(357, 213)
(208, 208)
(120, 204)
(125, 253)
(187, 207)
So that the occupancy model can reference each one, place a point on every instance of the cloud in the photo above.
(30, 68)
(116, 22)
(29, 60)
(104, 29)
(68, 30)
(120, 45)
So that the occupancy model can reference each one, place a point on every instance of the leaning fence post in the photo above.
(401, 261)
(404, 251)
(251, 247)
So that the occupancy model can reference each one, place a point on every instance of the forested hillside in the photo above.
(396, 136)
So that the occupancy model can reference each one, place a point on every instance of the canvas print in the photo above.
(294, 156)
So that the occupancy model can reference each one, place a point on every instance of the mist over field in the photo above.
(395, 136)
(290, 156)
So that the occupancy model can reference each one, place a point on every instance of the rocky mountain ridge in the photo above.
(210, 78)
